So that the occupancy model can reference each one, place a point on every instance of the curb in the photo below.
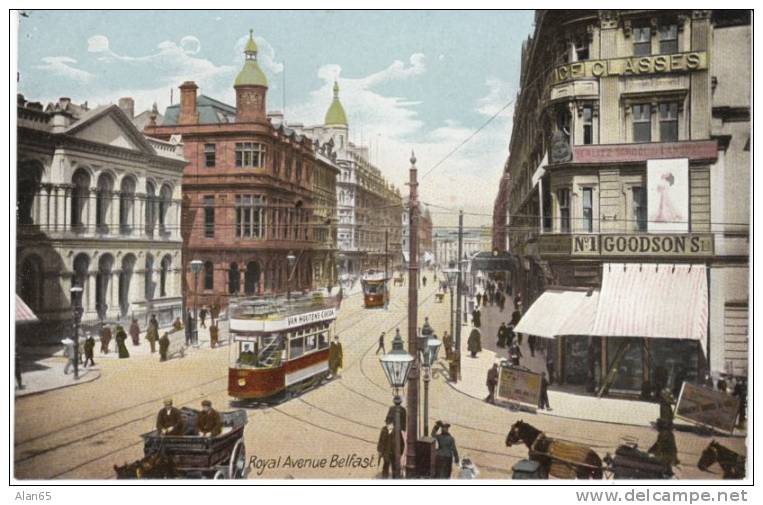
(96, 374)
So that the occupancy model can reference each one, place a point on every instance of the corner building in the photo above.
(248, 193)
(627, 193)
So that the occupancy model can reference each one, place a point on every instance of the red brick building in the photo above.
(248, 197)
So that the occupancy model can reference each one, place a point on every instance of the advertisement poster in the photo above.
(668, 195)
(519, 385)
(707, 406)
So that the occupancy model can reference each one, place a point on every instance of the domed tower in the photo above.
(336, 121)
(251, 88)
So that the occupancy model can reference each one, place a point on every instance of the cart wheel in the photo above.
(221, 474)
(237, 464)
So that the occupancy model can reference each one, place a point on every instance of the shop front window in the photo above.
(626, 356)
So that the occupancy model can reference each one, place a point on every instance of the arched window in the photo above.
(165, 199)
(126, 203)
(251, 278)
(149, 276)
(150, 208)
(102, 283)
(28, 186)
(209, 275)
(31, 282)
(80, 193)
(103, 201)
(166, 262)
(234, 279)
(125, 278)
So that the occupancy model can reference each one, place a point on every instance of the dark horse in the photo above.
(732, 463)
(557, 457)
(155, 466)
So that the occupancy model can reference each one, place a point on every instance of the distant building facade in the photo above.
(98, 207)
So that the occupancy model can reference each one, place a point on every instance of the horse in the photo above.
(155, 466)
(732, 463)
(557, 457)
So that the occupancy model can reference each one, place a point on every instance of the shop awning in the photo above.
(653, 301)
(23, 313)
(559, 312)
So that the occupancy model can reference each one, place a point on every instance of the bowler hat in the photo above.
(206, 403)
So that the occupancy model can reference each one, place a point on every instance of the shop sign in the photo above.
(635, 65)
(518, 385)
(685, 244)
(708, 407)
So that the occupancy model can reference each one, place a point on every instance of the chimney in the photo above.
(188, 114)
(127, 104)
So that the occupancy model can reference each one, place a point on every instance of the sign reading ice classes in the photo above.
(687, 244)
(635, 65)
(519, 385)
(707, 406)
(311, 317)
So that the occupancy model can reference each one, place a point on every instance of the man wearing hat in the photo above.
(386, 448)
(335, 356)
(447, 453)
(89, 350)
(169, 421)
(105, 338)
(209, 423)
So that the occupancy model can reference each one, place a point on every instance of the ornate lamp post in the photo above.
(76, 297)
(429, 345)
(291, 260)
(397, 365)
(196, 266)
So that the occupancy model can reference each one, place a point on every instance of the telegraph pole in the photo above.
(386, 269)
(412, 428)
(459, 290)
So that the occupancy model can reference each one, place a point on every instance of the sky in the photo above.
(409, 80)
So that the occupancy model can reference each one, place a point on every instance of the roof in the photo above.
(251, 74)
(335, 116)
(210, 111)
(23, 313)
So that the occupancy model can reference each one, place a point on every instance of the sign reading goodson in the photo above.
(635, 245)
(636, 65)
(519, 385)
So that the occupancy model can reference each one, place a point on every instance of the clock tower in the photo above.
(251, 88)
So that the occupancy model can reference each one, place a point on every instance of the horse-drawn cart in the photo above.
(192, 456)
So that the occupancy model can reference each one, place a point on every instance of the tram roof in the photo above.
(279, 313)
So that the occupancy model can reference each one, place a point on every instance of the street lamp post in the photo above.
(76, 293)
(397, 365)
(291, 260)
(429, 345)
(196, 266)
(452, 276)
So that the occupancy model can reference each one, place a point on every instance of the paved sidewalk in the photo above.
(48, 375)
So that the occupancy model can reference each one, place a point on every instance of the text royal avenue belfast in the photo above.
(625, 199)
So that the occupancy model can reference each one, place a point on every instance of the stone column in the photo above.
(88, 299)
(114, 228)
(89, 215)
(139, 214)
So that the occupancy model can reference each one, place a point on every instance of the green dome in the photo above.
(251, 74)
(335, 116)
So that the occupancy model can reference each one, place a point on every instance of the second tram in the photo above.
(375, 289)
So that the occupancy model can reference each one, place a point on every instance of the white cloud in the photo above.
(97, 44)
(61, 66)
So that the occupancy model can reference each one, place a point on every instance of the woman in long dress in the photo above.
(666, 211)
(121, 339)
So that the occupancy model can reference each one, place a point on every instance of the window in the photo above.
(276, 163)
(298, 171)
(250, 154)
(209, 275)
(588, 209)
(581, 50)
(234, 279)
(669, 122)
(642, 41)
(587, 125)
(209, 155)
(639, 208)
(209, 216)
(250, 216)
(287, 168)
(564, 210)
(165, 268)
(668, 39)
(642, 123)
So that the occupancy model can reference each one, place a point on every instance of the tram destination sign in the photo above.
(311, 317)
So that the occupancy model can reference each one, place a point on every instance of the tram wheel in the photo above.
(237, 464)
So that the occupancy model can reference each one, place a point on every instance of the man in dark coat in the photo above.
(543, 400)
(479, 299)
(447, 343)
(135, 332)
(492, 382)
(169, 421)
(531, 340)
(514, 354)
(105, 338)
(666, 405)
(447, 453)
(152, 334)
(380, 347)
(203, 317)
(89, 350)
(475, 342)
(335, 356)
(189, 328)
(502, 335)
(208, 423)
(164, 346)
(214, 335)
(664, 449)
(214, 311)
(121, 339)
(386, 449)
(476, 317)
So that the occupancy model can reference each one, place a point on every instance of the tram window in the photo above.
(296, 347)
(323, 340)
(310, 342)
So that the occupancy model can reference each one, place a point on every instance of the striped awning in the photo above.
(653, 301)
(23, 313)
(559, 312)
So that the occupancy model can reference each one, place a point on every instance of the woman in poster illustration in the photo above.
(665, 212)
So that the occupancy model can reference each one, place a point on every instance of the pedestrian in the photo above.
(189, 328)
(380, 347)
(550, 368)
(531, 342)
(164, 346)
(502, 335)
(105, 338)
(169, 420)
(214, 311)
(335, 356)
(501, 301)
(476, 317)
(152, 335)
(424, 281)
(543, 401)
(203, 317)
(121, 339)
(177, 325)
(208, 423)
(666, 405)
(474, 344)
(518, 301)
(479, 299)
(214, 335)
(447, 453)
(447, 343)
(89, 349)
(492, 382)
(385, 447)
(515, 352)
(468, 469)
(135, 332)
(740, 392)
(68, 354)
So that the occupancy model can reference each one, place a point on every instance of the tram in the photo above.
(278, 345)
(375, 289)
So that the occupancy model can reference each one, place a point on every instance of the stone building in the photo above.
(426, 238)
(249, 192)
(98, 206)
(628, 194)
